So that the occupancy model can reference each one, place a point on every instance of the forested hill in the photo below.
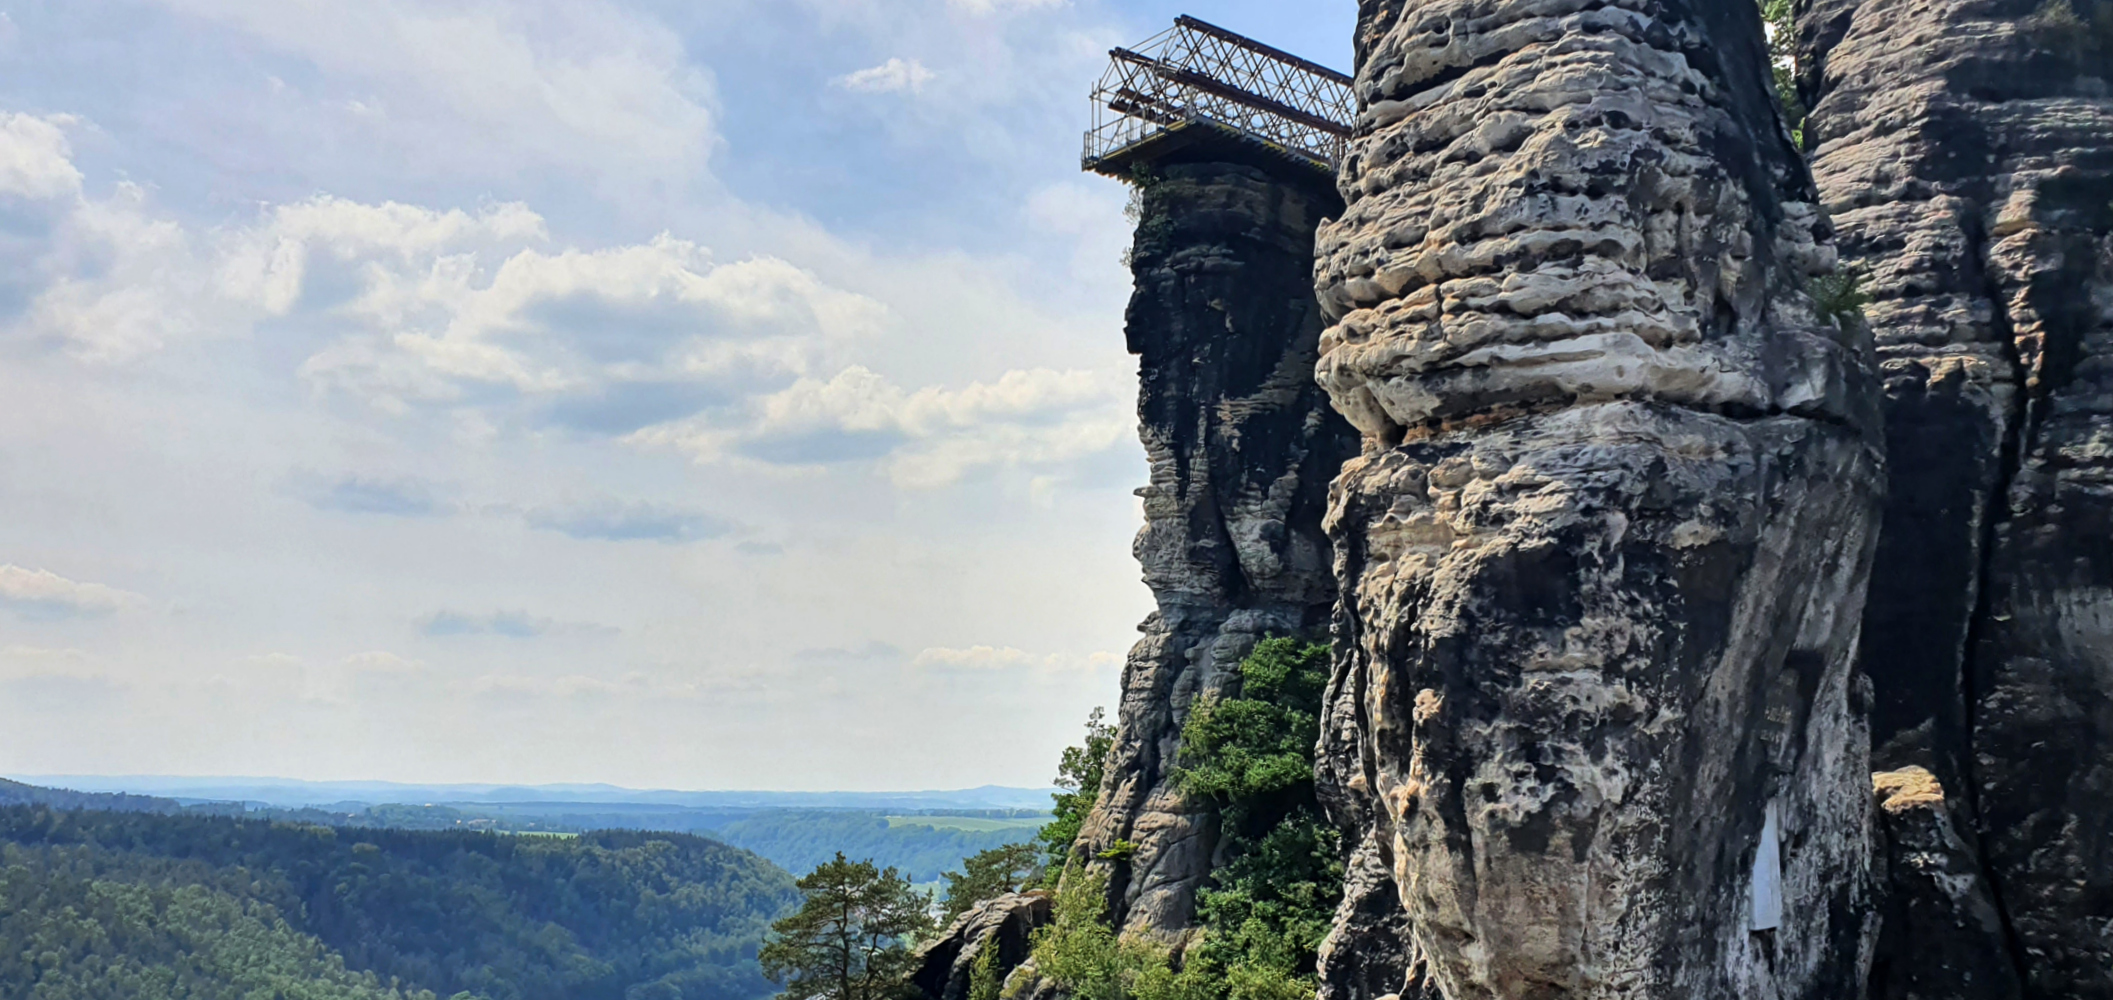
(923, 848)
(15, 793)
(141, 906)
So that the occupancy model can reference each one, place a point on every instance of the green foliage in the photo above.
(1780, 20)
(1839, 298)
(1121, 850)
(1259, 745)
(2079, 35)
(983, 983)
(1269, 908)
(1083, 955)
(73, 935)
(1078, 950)
(850, 939)
(1152, 228)
(1079, 774)
(1265, 910)
(607, 916)
(991, 874)
(799, 840)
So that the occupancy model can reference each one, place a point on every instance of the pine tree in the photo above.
(850, 939)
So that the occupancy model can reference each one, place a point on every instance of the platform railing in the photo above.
(1198, 73)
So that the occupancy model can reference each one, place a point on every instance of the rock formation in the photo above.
(1941, 937)
(1603, 555)
(1242, 446)
(1004, 926)
(1965, 150)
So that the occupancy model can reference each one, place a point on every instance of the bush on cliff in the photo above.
(1079, 778)
(1267, 908)
(1080, 952)
(991, 874)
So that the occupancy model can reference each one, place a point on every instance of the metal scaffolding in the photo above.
(1199, 78)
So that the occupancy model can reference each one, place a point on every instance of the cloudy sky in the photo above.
(673, 393)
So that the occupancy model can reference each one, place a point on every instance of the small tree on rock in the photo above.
(990, 874)
(850, 940)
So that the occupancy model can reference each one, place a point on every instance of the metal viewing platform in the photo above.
(1197, 83)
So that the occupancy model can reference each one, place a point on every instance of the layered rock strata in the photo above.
(1603, 555)
(1965, 150)
(1242, 446)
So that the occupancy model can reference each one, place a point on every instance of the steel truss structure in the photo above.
(1197, 74)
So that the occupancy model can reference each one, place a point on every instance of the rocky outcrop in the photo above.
(1242, 446)
(1004, 927)
(1941, 936)
(1369, 952)
(1965, 150)
(1602, 557)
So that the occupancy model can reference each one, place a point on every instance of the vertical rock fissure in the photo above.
(1965, 150)
(2016, 445)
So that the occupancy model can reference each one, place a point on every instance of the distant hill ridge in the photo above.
(15, 793)
(296, 793)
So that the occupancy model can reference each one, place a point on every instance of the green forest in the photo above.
(118, 906)
(800, 840)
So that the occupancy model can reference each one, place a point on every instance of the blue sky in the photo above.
(701, 394)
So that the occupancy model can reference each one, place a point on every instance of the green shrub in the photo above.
(983, 981)
(1079, 778)
(1839, 298)
(990, 874)
(1078, 950)
(1781, 24)
(1266, 909)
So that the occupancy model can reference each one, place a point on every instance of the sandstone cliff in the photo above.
(1603, 555)
(1242, 446)
(1965, 150)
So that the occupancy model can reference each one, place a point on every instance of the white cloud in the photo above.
(29, 661)
(1008, 657)
(379, 663)
(578, 83)
(894, 76)
(928, 438)
(572, 687)
(1001, 6)
(570, 322)
(441, 301)
(265, 265)
(36, 162)
(972, 658)
(42, 594)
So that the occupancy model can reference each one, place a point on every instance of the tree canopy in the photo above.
(100, 904)
(850, 939)
(991, 874)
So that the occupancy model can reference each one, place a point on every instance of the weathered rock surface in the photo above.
(1603, 556)
(1941, 936)
(1242, 445)
(946, 967)
(1369, 952)
(1965, 150)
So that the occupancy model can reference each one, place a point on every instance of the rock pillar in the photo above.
(1603, 556)
(1242, 446)
(1965, 149)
